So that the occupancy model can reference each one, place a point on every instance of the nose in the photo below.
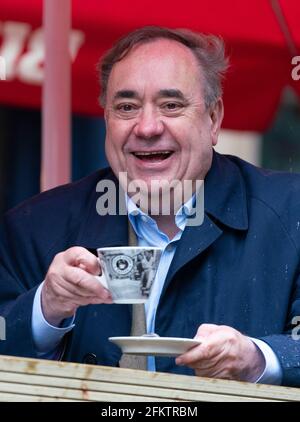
(149, 125)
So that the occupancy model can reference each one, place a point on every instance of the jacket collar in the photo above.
(225, 193)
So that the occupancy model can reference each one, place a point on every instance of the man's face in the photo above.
(157, 124)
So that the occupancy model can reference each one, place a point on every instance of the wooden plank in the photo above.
(86, 388)
(143, 379)
(11, 397)
(69, 394)
(137, 374)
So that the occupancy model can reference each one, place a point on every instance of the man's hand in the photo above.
(70, 283)
(224, 353)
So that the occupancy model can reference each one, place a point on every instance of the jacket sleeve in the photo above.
(17, 291)
(286, 346)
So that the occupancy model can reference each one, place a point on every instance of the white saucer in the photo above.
(154, 346)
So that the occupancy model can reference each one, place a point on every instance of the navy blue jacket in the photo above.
(239, 268)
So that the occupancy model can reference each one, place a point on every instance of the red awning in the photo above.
(260, 53)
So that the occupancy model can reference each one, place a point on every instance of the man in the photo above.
(232, 281)
(148, 271)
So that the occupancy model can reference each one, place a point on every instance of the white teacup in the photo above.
(128, 272)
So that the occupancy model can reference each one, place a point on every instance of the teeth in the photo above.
(153, 153)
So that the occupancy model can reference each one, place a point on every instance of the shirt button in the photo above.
(90, 359)
(144, 218)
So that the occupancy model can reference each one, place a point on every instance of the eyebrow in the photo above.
(171, 93)
(125, 93)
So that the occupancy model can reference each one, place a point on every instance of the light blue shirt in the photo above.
(47, 338)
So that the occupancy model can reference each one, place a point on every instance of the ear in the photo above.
(216, 115)
(105, 114)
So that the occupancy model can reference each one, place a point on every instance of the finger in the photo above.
(207, 350)
(82, 281)
(70, 287)
(195, 354)
(93, 266)
(63, 294)
(82, 258)
(216, 344)
(208, 366)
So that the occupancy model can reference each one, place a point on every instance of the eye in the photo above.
(172, 107)
(127, 108)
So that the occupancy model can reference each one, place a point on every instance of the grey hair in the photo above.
(209, 51)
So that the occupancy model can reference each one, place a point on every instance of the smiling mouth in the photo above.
(153, 156)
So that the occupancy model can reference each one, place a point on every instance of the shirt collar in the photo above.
(135, 213)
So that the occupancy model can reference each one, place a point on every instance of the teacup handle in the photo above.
(102, 279)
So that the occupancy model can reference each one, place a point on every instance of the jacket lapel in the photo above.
(225, 206)
(193, 242)
(104, 230)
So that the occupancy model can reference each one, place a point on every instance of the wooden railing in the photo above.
(41, 380)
